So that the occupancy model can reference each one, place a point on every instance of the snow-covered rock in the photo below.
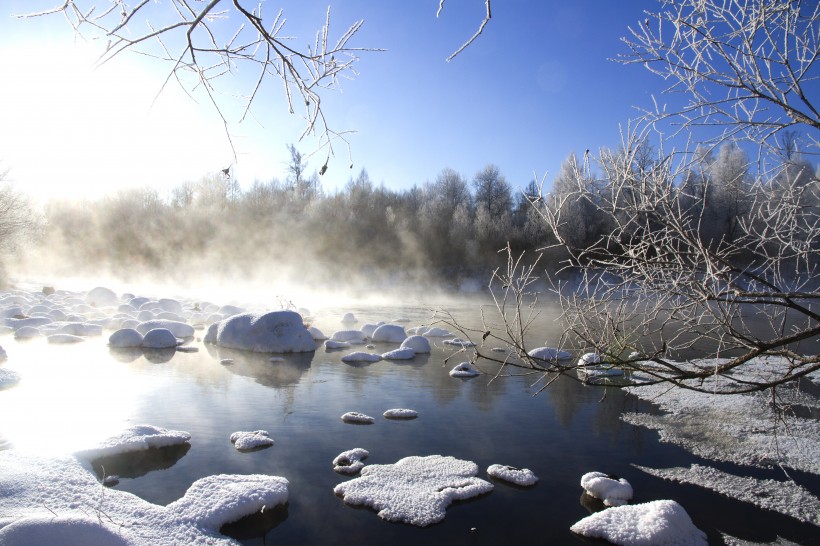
(159, 338)
(350, 336)
(272, 332)
(64, 339)
(613, 491)
(350, 462)
(102, 297)
(414, 490)
(519, 476)
(589, 358)
(360, 356)
(317, 334)
(331, 344)
(549, 354)
(465, 369)
(401, 413)
(125, 338)
(8, 378)
(389, 333)
(251, 440)
(179, 329)
(358, 418)
(349, 318)
(404, 353)
(419, 344)
(369, 328)
(656, 523)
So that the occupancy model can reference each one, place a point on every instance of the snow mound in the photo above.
(405, 353)
(786, 497)
(465, 369)
(179, 329)
(429, 331)
(463, 343)
(8, 378)
(316, 334)
(549, 353)
(401, 413)
(589, 358)
(136, 438)
(358, 418)
(656, 523)
(350, 336)
(518, 476)
(273, 332)
(419, 344)
(251, 440)
(27, 332)
(80, 329)
(350, 462)
(414, 490)
(389, 333)
(331, 344)
(369, 328)
(63, 339)
(360, 356)
(102, 297)
(159, 338)
(613, 491)
(125, 338)
(349, 318)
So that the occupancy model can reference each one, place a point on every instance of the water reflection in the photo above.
(256, 525)
(287, 370)
(139, 463)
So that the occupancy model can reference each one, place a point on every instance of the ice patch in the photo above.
(613, 491)
(414, 490)
(656, 523)
(519, 476)
(251, 440)
(783, 497)
(350, 462)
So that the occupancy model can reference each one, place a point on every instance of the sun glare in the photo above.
(73, 130)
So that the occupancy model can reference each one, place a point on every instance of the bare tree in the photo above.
(746, 66)
(17, 220)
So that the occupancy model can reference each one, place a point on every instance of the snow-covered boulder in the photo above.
(519, 476)
(350, 336)
(8, 378)
(102, 297)
(656, 523)
(272, 332)
(419, 344)
(159, 338)
(179, 329)
(357, 418)
(414, 490)
(589, 358)
(80, 329)
(125, 338)
(403, 353)
(368, 329)
(135, 438)
(613, 491)
(170, 305)
(317, 334)
(251, 440)
(549, 354)
(64, 339)
(350, 462)
(401, 413)
(331, 344)
(27, 332)
(389, 333)
(349, 318)
(465, 369)
(360, 356)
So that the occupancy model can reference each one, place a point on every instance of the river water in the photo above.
(72, 396)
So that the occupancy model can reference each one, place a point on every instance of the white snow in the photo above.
(518, 476)
(317, 334)
(589, 358)
(401, 413)
(656, 523)
(419, 344)
(360, 356)
(135, 438)
(358, 418)
(64, 338)
(549, 354)
(389, 333)
(350, 336)
(248, 440)
(27, 332)
(405, 353)
(459, 342)
(784, 497)
(125, 338)
(349, 318)
(272, 332)
(350, 462)
(613, 491)
(414, 490)
(79, 329)
(465, 369)
(179, 329)
(159, 338)
(429, 331)
(8, 378)
(102, 297)
(331, 344)
(369, 328)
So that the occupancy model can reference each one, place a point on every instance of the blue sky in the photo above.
(536, 86)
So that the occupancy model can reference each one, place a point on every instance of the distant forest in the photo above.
(449, 229)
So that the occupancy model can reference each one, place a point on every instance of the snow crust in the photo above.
(519, 476)
(414, 490)
(356, 417)
(656, 523)
(785, 497)
(350, 462)
(613, 491)
(251, 440)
